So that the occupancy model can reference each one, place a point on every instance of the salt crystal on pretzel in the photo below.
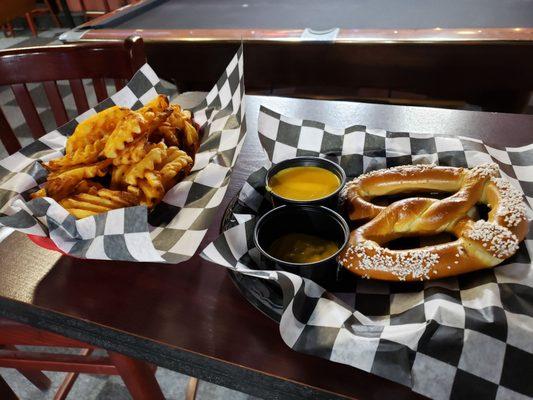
(479, 244)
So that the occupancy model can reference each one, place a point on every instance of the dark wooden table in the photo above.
(189, 317)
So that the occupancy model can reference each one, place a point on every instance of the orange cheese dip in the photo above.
(304, 183)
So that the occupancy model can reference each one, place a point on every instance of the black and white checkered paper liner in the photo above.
(469, 336)
(172, 231)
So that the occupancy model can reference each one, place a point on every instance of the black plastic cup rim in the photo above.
(305, 161)
(281, 209)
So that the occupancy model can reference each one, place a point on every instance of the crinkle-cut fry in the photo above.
(124, 198)
(86, 186)
(133, 144)
(186, 114)
(97, 200)
(152, 189)
(148, 163)
(71, 202)
(168, 134)
(39, 193)
(95, 128)
(179, 161)
(176, 118)
(192, 139)
(133, 152)
(179, 130)
(80, 214)
(134, 190)
(104, 200)
(117, 176)
(84, 155)
(157, 104)
(124, 132)
(173, 152)
(132, 126)
(154, 180)
(155, 113)
(66, 182)
(151, 124)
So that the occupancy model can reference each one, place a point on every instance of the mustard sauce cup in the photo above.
(313, 220)
(331, 200)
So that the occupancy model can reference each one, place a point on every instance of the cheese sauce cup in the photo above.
(305, 180)
(314, 229)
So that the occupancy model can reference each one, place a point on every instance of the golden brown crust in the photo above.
(480, 244)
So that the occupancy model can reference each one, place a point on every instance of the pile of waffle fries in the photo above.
(120, 158)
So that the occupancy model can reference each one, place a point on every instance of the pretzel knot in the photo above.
(479, 244)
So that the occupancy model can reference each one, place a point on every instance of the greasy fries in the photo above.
(64, 183)
(121, 158)
(179, 131)
(89, 138)
(148, 163)
(85, 204)
(174, 164)
(124, 133)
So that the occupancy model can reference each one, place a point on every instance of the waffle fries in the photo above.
(120, 158)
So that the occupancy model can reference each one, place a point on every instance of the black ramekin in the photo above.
(306, 161)
(314, 220)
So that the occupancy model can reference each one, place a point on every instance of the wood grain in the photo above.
(56, 102)
(25, 102)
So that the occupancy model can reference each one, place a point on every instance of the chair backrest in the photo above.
(47, 65)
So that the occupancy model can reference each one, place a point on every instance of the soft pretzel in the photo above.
(480, 244)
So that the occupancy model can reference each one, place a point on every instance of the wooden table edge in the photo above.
(203, 367)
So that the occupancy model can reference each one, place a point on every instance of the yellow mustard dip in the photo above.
(304, 183)
(302, 248)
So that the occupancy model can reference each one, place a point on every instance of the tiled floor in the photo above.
(23, 38)
(87, 387)
(96, 387)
